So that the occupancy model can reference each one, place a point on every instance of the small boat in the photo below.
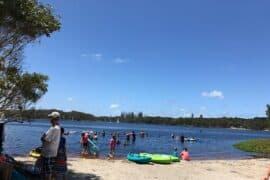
(190, 139)
(158, 158)
(138, 158)
(36, 153)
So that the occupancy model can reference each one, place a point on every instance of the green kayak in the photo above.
(175, 159)
(158, 158)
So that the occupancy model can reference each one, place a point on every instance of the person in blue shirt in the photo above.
(175, 153)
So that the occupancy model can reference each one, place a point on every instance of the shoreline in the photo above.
(194, 158)
(120, 169)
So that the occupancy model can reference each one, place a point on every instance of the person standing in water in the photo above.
(112, 146)
(50, 142)
(182, 138)
(133, 137)
(103, 133)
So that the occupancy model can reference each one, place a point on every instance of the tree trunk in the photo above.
(1, 137)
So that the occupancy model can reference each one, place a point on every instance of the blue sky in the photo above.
(168, 58)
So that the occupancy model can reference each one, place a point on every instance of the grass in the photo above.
(261, 146)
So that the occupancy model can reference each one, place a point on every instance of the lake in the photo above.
(213, 143)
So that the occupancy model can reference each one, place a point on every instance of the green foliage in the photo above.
(33, 86)
(32, 114)
(28, 18)
(257, 146)
(22, 22)
(268, 111)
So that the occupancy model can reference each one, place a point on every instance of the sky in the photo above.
(163, 58)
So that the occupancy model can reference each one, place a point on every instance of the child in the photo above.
(185, 154)
(84, 142)
(112, 146)
(175, 153)
(60, 168)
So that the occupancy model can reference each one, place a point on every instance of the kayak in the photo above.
(36, 153)
(158, 158)
(93, 148)
(138, 158)
(175, 159)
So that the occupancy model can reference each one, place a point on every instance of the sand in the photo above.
(193, 170)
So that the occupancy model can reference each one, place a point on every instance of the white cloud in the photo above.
(182, 109)
(69, 99)
(213, 94)
(114, 106)
(96, 57)
(120, 61)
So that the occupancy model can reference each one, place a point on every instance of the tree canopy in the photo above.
(22, 22)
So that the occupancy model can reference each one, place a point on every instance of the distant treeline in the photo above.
(257, 123)
(33, 114)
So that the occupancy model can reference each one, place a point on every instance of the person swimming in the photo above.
(142, 134)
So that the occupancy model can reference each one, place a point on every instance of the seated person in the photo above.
(185, 155)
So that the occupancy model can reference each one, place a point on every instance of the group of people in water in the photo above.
(114, 141)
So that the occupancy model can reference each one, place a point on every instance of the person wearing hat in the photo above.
(50, 142)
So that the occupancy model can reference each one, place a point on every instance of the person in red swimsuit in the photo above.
(185, 154)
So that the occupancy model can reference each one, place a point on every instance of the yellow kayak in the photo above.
(36, 153)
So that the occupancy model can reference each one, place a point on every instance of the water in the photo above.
(213, 143)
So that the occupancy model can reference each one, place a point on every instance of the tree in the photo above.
(268, 111)
(21, 22)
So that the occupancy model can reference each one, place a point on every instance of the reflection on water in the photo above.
(213, 143)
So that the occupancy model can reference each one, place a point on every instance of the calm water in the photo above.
(213, 143)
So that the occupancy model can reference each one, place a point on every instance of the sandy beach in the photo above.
(194, 170)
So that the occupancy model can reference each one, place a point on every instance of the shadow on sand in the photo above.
(82, 176)
(71, 175)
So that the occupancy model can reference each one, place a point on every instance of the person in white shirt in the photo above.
(50, 142)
